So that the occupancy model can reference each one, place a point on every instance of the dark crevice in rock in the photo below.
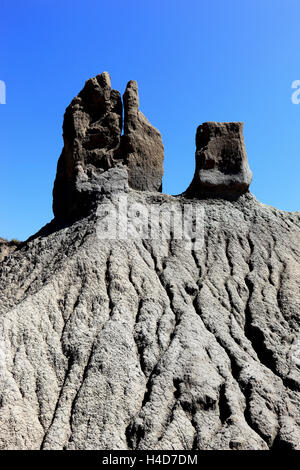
(236, 369)
(107, 282)
(67, 373)
(224, 408)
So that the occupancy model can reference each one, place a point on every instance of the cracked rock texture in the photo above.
(142, 343)
(142, 145)
(92, 134)
(110, 344)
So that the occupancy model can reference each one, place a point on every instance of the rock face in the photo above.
(146, 343)
(142, 145)
(96, 159)
(7, 247)
(221, 161)
(111, 344)
(92, 133)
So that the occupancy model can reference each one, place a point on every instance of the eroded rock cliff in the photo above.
(222, 168)
(96, 158)
(139, 343)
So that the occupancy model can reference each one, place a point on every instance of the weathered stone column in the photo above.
(222, 168)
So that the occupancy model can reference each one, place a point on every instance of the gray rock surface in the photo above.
(142, 145)
(7, 247)
(93, 145)
(221, 161)
(92, 134)
(140, 343)
(109, 344)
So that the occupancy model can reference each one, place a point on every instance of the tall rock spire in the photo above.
(92, 132)
(142, 145)
(96, 159)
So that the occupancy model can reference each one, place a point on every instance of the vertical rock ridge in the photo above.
(142, 145)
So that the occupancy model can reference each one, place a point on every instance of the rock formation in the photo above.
(96, 159)
(142, 145)
(142, 343)
(7, 247)
(221, 161)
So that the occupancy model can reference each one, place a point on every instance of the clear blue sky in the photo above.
(194, 60)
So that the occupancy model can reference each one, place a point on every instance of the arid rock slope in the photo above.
(7, 247)
(140, 344)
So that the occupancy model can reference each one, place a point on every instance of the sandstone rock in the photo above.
(221, 161)
(142, 145)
